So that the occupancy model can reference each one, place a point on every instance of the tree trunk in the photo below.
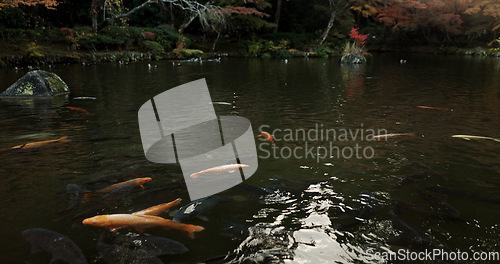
(94, 14)
(104, 9)
(337, 8)
(172, 17)
(333, 15)
(186, 24)
(277, 15)
(216, 39)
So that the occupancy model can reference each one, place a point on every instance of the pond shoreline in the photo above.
(58, 57)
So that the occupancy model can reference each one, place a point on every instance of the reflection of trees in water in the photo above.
(353, 75)
(40, 109)
(38, 105)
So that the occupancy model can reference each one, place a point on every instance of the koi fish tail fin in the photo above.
(496, 139)
(87, 196)
(195, 175)
(173, 203)
(20, 146)
(64, 139)
(411, 134)
(192, 229)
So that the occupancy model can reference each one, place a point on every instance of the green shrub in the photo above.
(268, 46)
(165, 43)
(242, 48)
(85, 41)
(259, 47)
(34, 53)
(153, 48)
(254, 47)
(295, 40)
(166, 36)
(115, 36)
(51, 35)
(323, 50)
(281, 54)
(265, 55)
(109, 42)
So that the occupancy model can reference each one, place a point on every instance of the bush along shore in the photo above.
(21, 47)
(30, 47)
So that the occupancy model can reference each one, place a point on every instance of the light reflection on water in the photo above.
(313, 213)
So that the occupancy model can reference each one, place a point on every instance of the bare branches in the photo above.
(208, 14)
(109, 21)
(135, 9)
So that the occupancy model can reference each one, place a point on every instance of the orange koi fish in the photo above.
(158, 209)
(430, 107)
(267, 136)
(78, 109)
(139, 223)
(40, 143)
(229, 168)
(386, 136)
(138, 182)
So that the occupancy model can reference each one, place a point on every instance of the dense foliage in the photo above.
(254, 27)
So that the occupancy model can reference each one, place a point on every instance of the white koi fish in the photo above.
(229, 168)
(386, 136)
(469, 137)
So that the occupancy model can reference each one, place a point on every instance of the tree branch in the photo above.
(109, 21)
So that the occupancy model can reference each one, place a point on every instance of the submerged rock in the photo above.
(37, 84)
(353, 58)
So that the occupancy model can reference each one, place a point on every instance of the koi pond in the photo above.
(327, 191)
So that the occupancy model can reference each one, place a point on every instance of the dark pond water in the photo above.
(315, 213)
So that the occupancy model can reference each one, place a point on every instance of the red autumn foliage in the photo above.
(149, 35)
(67, 32)
(359, 38)
(241, 10)
(442, 15)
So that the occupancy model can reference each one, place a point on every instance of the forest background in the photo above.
(60, 31)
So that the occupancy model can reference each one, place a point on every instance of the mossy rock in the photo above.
(37, 84)
(350, 58)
